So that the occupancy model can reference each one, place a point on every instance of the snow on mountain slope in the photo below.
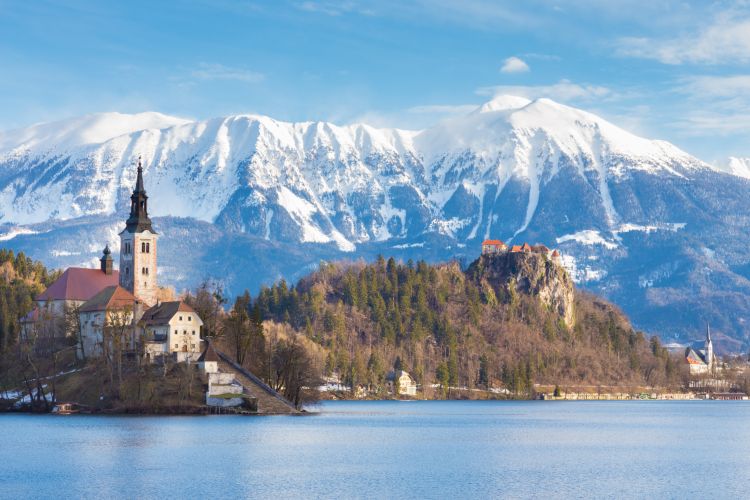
(357, 183)
(736, 166)
(634, 218)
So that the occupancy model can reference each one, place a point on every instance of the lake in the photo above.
(389, 449)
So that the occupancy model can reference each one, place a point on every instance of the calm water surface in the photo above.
(389, 450)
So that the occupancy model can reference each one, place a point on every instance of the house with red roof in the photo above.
(110, 315)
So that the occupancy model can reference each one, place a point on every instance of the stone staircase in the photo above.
(270, 402)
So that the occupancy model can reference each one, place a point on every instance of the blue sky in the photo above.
(678, 71)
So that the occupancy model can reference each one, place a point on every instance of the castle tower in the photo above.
(138, 247)
(709, 348)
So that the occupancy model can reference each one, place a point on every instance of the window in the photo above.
(127, 271)
(192, 346)
(175, 332)
(193, 332)
(177, 346)
(180, 318)
(184, 332)
(190, 318)
(148, 247)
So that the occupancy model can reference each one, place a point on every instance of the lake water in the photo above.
(451, 449)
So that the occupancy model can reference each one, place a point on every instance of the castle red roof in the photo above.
(515, 248)
(526, 247)
(77, 283)
(493, 242)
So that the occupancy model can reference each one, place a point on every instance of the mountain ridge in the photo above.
(637, 220)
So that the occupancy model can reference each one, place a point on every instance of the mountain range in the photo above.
(247, 199)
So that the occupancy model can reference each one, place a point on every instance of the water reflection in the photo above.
(388, 449)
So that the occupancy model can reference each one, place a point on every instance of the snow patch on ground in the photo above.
(588, 237)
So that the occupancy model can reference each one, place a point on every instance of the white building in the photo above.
(109, 316)
(401, 383)
(171, 328)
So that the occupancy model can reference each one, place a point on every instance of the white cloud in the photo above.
(564, 91)
(725, 40)
(212, 71)
(514, 65)
(717, 105)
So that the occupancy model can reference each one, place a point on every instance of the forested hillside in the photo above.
(475, 329)
(20, 280)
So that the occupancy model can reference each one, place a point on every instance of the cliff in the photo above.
(528, 273)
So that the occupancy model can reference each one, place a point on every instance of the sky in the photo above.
(671, 70)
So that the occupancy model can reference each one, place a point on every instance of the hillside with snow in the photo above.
(245, 199)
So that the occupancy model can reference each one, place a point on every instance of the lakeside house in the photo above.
(401, 383)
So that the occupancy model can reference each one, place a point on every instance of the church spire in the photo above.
(139, 220)
(139, 181)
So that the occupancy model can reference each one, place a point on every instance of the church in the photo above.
(124, 302)
(702, 361)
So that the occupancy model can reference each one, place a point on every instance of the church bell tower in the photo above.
(138, 247)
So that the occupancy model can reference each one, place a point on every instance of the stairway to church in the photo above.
(270, 402)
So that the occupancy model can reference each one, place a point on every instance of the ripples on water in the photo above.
(394, 449)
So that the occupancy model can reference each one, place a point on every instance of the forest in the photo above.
(449, 329)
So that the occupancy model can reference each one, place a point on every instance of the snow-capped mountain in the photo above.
(737, 166)
(247, 199)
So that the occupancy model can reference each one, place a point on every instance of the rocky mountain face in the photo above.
(533, 274)
(247, 199)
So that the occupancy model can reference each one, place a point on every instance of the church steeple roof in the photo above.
(139, 220)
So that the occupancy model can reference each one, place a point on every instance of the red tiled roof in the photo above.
(515, 248)
(165, 311)
(112, 297)
(493, 242)
(77, 283)
(526, 247)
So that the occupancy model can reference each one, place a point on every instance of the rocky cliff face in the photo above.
(531, 274)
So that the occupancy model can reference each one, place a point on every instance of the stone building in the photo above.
(138, 247)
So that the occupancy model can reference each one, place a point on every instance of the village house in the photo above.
(702, 361)
(401, 383)
(108, 316)
(171, 328)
